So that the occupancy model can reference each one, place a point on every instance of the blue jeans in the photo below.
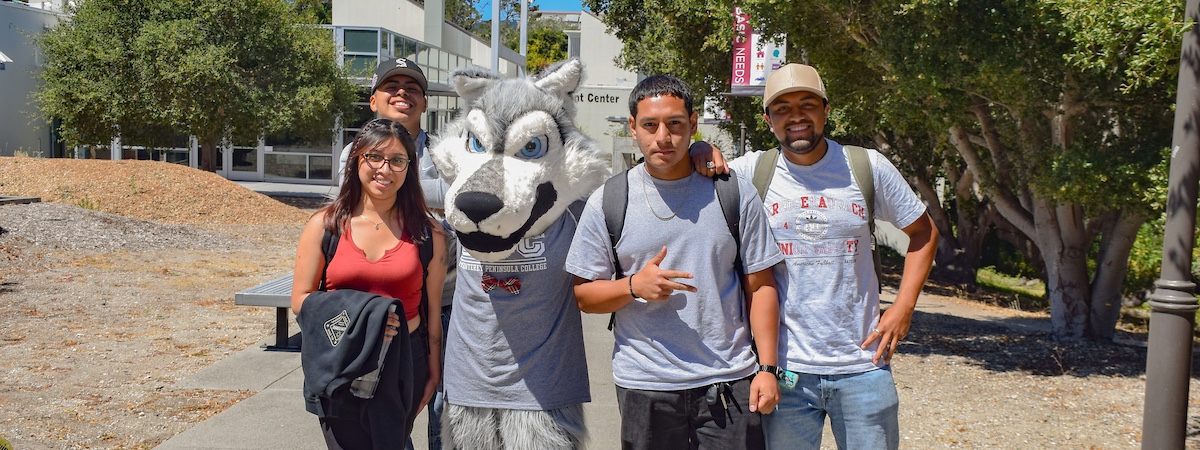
(862, 407)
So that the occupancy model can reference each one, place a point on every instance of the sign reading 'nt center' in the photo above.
(596, 98)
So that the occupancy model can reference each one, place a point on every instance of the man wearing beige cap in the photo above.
(835, 345)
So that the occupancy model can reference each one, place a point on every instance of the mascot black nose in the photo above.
(478, 205)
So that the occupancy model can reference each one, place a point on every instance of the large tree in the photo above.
(147, 70)
(1046, 116)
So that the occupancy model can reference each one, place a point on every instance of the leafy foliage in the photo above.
(1042, 109)
(147, 69)
(463, 13)
(315, 11)
(547, 44)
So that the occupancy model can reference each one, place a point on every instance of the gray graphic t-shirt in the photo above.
(831, 297)
(516, 337)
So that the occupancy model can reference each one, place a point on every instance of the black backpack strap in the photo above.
(730, 198)
(329, 244)
(615, 202)
(425, 252)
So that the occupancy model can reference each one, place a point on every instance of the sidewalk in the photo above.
(275, 418)
(290, 189)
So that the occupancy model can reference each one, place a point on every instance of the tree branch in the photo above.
(1007, 204)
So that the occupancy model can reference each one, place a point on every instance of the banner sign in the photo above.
(754, 57)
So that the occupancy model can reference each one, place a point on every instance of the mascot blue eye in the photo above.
(535, 148)
(474, 145)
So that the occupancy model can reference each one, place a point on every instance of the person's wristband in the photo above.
(773, 370)
(635, 296)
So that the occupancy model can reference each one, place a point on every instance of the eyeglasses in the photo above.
(375, 161)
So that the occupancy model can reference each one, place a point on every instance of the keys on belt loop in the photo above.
(717, 391)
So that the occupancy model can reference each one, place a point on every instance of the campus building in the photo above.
(364, 32)
(22, 130)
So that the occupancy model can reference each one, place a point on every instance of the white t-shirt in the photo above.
(830, 291)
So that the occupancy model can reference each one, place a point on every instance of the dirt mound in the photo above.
(149, 190)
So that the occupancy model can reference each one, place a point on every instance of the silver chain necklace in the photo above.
(646, 195)
(364, 217)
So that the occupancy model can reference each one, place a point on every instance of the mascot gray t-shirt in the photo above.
(517, 337)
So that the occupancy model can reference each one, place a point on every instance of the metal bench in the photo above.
(276, 293)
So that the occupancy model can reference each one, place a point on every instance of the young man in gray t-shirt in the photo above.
(683, 362)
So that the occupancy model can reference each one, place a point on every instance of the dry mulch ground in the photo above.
(121, 284)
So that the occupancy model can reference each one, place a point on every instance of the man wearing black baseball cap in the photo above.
(398, 93)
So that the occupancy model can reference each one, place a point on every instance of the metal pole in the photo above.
(524, 27)
(496, 35)
(524, 33)
(741, 150)
(1173, 305)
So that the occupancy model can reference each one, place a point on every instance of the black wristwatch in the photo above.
(773, 370)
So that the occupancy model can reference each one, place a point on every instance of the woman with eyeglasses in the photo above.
(355, 258)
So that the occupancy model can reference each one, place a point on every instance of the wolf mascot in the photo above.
(519, 173)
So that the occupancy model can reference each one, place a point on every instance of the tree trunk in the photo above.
(208, 155)
(1113, 262)
(1062, 240)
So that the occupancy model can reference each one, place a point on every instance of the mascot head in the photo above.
(513, 157)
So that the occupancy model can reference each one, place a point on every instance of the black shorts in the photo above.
(690, 418)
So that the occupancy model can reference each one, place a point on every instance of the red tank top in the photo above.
(397, 274)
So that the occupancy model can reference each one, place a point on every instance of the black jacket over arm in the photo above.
(343, 333)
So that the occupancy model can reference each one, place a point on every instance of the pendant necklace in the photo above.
(687, 190)
(364, 216)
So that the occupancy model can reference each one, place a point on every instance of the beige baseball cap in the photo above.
(792, 78)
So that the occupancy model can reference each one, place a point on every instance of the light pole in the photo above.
(1173, 305)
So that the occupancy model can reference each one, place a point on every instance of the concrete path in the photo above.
(275, 418)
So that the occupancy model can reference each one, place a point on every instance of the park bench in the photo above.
(276, 293)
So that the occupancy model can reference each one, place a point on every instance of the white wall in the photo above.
(408, 18)
(21, 128)
(598, 49)
(402, 16)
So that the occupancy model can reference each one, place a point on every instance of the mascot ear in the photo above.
(562, 78)
(471, 81)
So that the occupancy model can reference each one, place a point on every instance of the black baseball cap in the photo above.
(399, 66)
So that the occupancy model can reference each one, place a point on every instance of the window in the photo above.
(361, 41)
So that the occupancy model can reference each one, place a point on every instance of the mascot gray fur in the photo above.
(514, 159)
(519, 173)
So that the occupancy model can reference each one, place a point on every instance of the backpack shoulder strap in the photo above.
(614, 204)
(730, 198)
(425, 252)
(860, 168)
(329, 244)
(616, 201)
(763, 169)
